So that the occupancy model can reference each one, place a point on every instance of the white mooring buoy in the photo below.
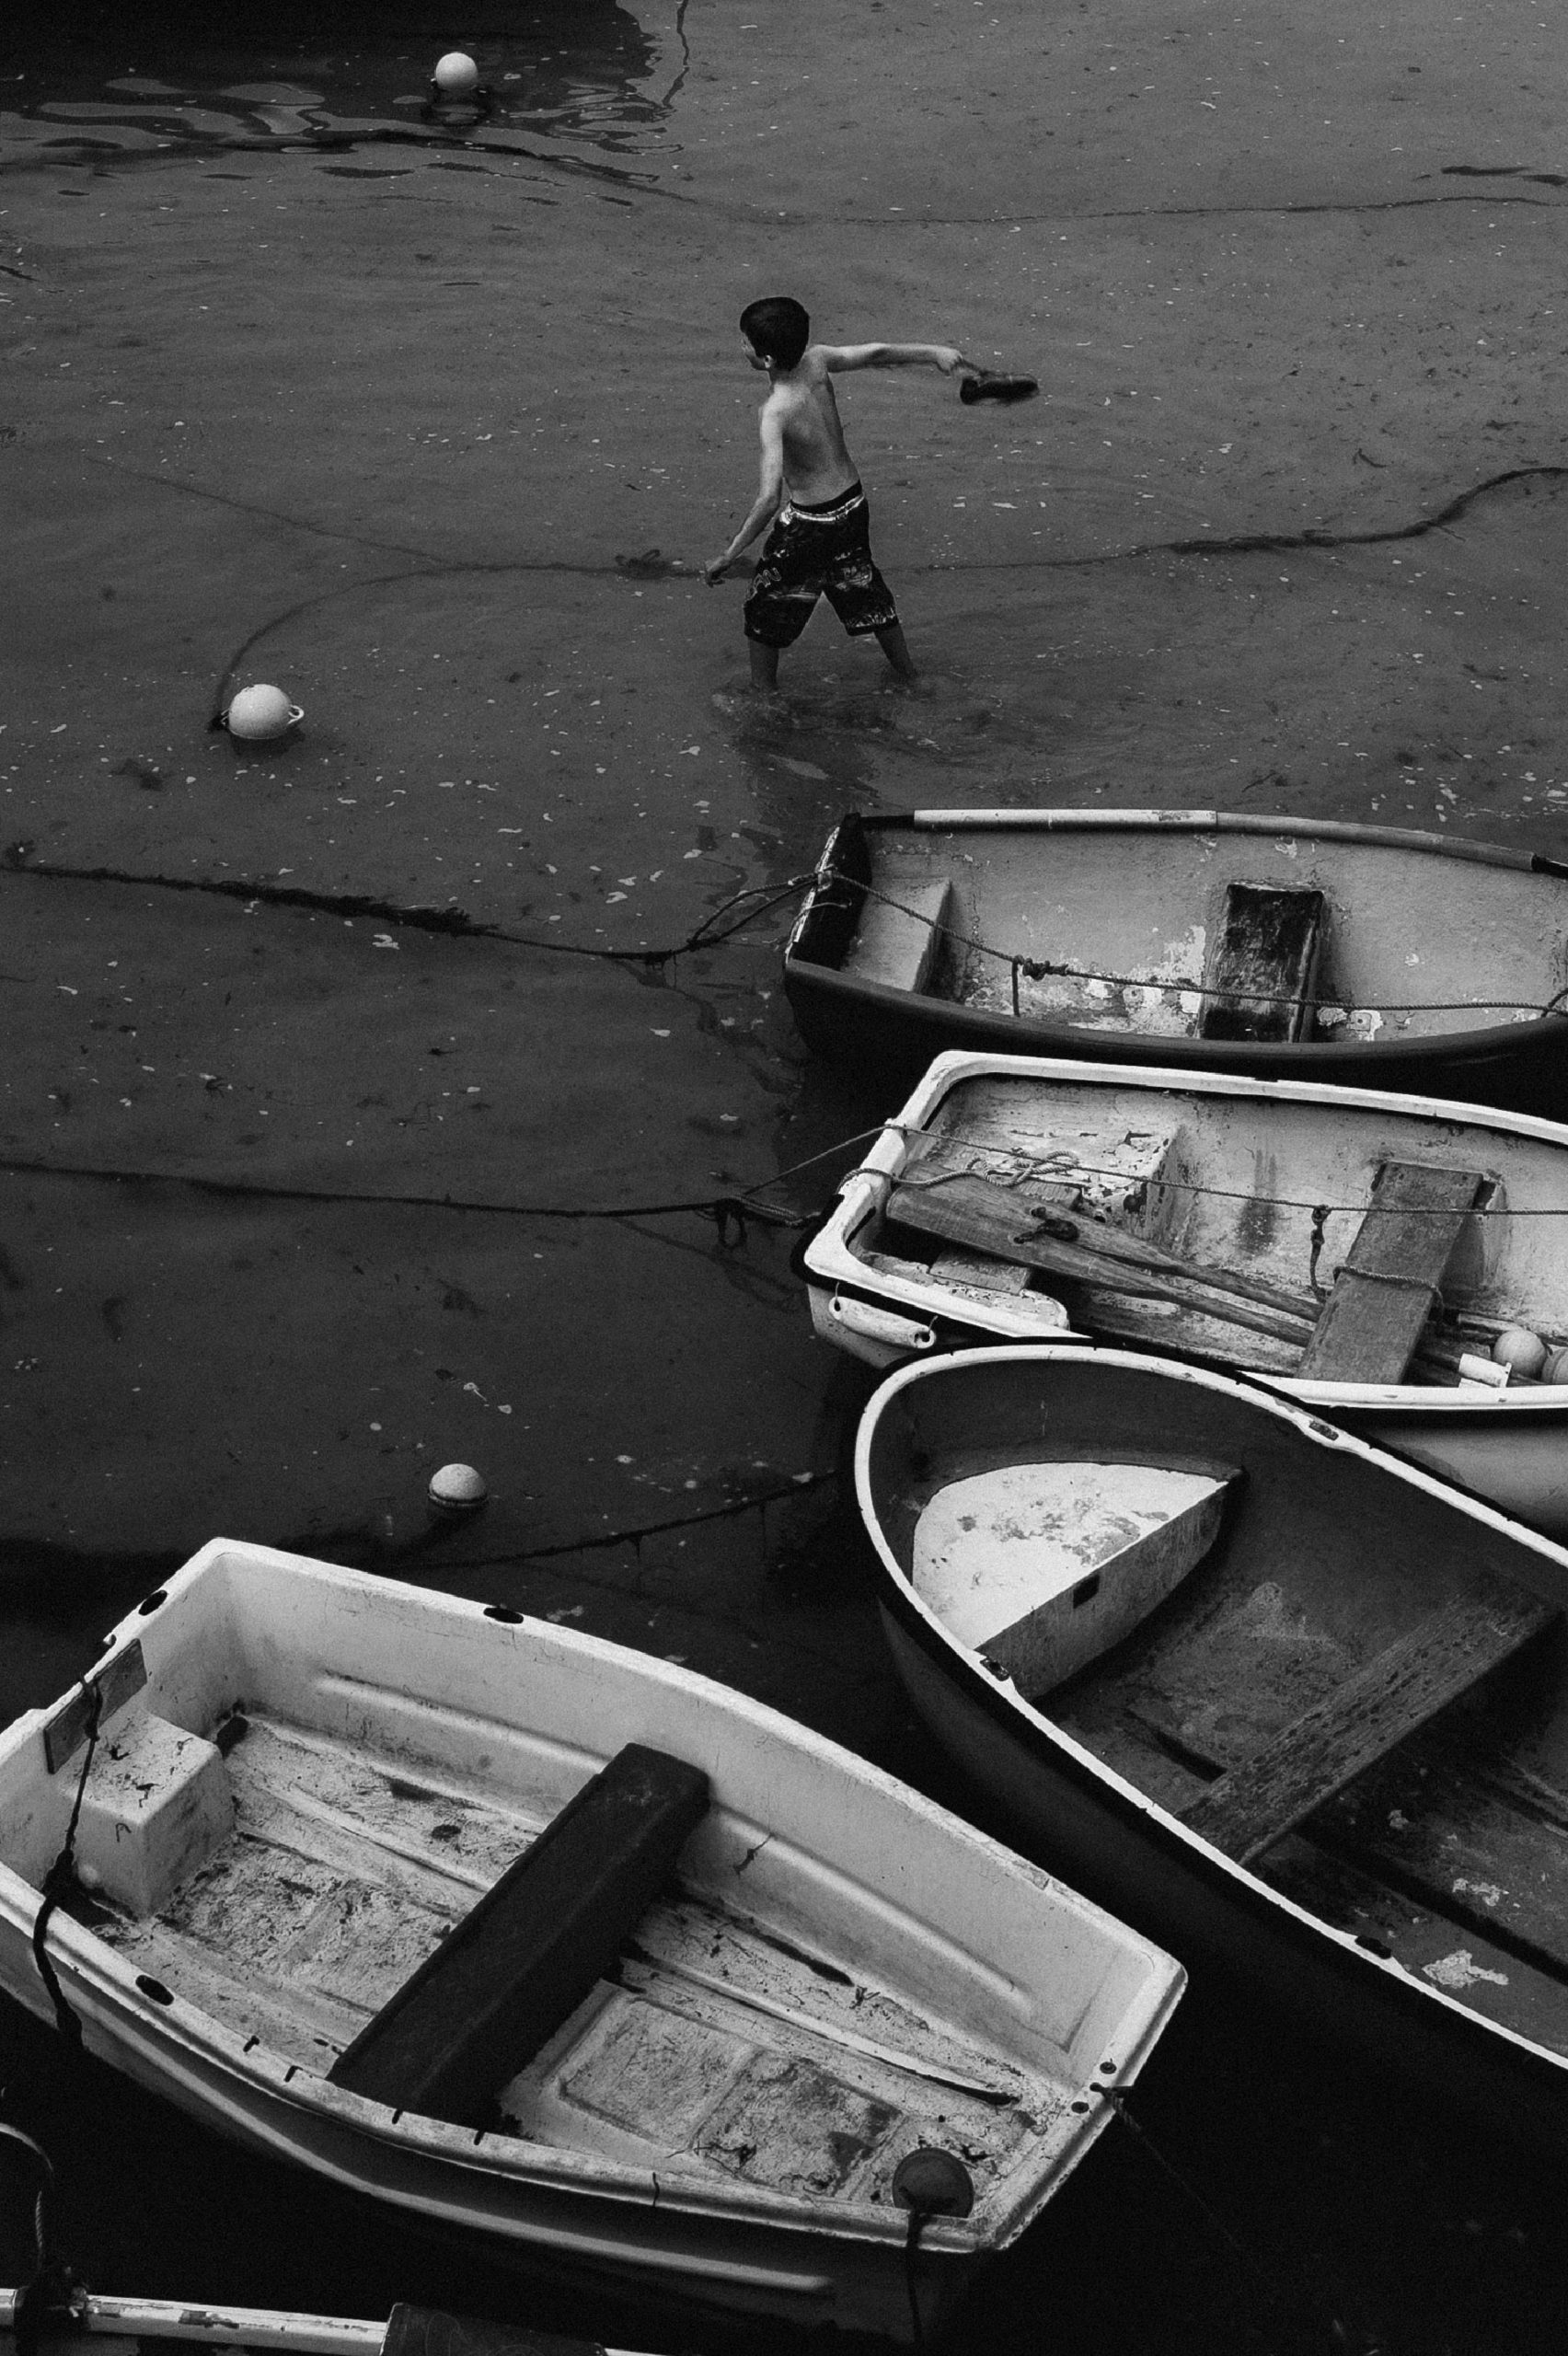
(259, 714)
(455, 76)
(457, 1488)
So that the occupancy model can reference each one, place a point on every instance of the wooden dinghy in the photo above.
(1274, 947)
(558, 1944)
(1367, 1252)
(1332, 1757)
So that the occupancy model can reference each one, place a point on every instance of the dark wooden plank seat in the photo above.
(1368, 1328)
(1388, 1698)
(1263, 968)
(979, 1216)
(520, 1962)
(1455, 1822)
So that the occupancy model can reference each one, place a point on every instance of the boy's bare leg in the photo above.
(891, 642)
(764, 665)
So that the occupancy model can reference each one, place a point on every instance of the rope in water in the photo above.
(53, 2300)
(1037, 968)
(17, 859)
(730, 1213)
(703, 938)
(1291, 2304)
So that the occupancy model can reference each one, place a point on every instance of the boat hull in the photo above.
(889, 1036)
(1517, 1460)
(1084, 1820)
(1509, 1446)
(1127, 890)
(622, 2246)
(382, 1751)
(1131, 1861)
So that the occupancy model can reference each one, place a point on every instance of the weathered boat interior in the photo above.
(1182, 933)
(1338, 1243)
(1353, 1687)
(345, 1874)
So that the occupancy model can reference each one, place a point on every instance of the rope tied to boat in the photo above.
(1033, 969)
(929, 2183)
(1040, 968)
(1320, 1222)
(54, 2301)
(1291, 2304)
(58, 1879)
(55, 2297)
(17, 858)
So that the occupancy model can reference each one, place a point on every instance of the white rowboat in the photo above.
(691, 2037)
(1234, 1204)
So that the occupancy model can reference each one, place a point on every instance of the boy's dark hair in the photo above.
(778, 327)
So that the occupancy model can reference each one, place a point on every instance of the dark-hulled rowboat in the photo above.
(1287, 1702)
(1271, 947)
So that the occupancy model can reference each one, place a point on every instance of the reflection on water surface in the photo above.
(575, 73)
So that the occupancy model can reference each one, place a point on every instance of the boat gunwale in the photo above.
(827, 1259)
(1009, 1709)
(1065, 819)
(489, 2153)
(114, 1979)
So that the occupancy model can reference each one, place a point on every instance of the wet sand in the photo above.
(332, 1131)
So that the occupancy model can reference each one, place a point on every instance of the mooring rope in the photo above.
(45, 2189)
(17, 859)
(1287, 2300)
(57, 1880)
(730, 1213)
(54, 2297)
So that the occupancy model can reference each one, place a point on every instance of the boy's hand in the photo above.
(713, 572)
(949, 360)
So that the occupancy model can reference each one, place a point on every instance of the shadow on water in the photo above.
(86, 86)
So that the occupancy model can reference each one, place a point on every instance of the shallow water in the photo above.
(483, 411)
(93, 88)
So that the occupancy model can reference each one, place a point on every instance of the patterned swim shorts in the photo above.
(815, 552)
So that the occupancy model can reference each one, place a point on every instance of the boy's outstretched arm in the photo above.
(837, 357)
(764, 507)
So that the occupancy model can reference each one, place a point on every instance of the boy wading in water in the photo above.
(820, 545)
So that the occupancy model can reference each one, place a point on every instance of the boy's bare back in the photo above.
(801, 409)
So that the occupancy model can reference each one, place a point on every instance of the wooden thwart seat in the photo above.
(1080, 1249)
(1264, 966)
(898, 945)
(520, 1962)
(1368, 1328)
(1263, 1797)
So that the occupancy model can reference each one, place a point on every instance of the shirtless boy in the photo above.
(820, 544)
